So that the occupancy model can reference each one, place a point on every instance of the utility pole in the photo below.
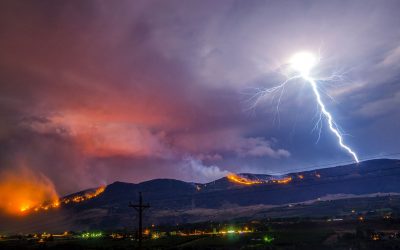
(139, 208)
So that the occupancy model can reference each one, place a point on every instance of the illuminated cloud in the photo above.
(100, 91)
(228, 142)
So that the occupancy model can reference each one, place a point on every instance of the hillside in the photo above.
(174, 201)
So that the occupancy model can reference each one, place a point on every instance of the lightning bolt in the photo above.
(303, 62)
(328, 116)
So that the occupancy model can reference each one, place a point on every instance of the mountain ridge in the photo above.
(175, 201)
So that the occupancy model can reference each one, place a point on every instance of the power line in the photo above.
(140, 207)
(269, 188)
(282, 187)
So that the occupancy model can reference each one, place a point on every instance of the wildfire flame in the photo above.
(238, 179)
(285, 180)
(242, 180)
(84, 197)
(73, 199)
(22, 190)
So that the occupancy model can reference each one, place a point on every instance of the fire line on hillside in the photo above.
(74, 199)
(243, 180)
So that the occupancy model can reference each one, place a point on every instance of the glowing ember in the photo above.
(242, 180)
(57, 203)
(85, 196)
(239, 179)
(285, 180)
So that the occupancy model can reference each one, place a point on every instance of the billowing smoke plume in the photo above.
(21, 189)
(198, 172)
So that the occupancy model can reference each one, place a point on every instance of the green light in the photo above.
(268, 239)
(92, 235)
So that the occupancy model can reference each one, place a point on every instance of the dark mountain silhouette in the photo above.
(364, 178)
(174, 201)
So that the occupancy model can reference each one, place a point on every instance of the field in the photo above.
(289, 234)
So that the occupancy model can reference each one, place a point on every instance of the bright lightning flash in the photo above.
(303, 63)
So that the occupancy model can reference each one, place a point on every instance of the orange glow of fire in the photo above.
(246, 181)
(285, 180)
(84, 197)
(22, 190)
(242, 180)
(57, 203)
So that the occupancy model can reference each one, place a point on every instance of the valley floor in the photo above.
(288, 234)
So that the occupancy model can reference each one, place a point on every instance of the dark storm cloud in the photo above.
(97, 91)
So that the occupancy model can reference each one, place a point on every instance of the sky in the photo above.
(93, 92)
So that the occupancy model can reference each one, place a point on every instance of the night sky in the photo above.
(97, 91)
